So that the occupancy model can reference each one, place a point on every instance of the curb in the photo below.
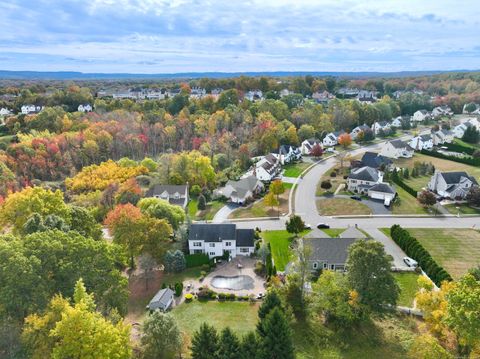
(405, 216)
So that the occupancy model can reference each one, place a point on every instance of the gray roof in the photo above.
(425, 137)
(217, 232)
(171, 189)
(364, 174)
(245, 237)
(161, 299)
(454, 177)
(400, 144)
(382, 187)
(352, 232)
(244, 185)
(332, 250)
(375, 160)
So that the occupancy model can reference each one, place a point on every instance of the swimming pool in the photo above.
(237, 282)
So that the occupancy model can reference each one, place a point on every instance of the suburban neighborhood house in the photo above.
(330, 139)
(396, 149)
(421, 142)
(216, 239)
(162, 300)
(26, 109)
(452, 185)
(375, 160)
(330, 253)
(380, 126)
(369, 181)
(4, 111)
(421, 115)
(307, 145)
(241, 191)
(357, 130)
(442, 111)
(174, 194)
(442, 136)
(85, 108)
(287, 154)
(265, 169)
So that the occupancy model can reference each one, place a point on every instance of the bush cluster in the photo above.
(455, 147)
(412, 247)
(196, 260)
(398, 181)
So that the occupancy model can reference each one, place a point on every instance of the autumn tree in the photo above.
(317, 151)
(427, 198)
(345, 140)
(161, 209)
(270, 200)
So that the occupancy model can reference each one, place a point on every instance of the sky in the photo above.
(169, 36)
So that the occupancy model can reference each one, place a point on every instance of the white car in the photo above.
(410, 262)
(307, 226)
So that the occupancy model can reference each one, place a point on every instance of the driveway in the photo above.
(376, 206)
(223, 213)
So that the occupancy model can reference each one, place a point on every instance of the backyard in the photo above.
(408, 288)
(259, 209)
(295, 169)
(207, 214)
(280, 242)
(341, 206)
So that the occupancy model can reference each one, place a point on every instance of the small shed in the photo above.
(162, 300)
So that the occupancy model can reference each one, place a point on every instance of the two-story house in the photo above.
(421, 142)
(27, 109)
(174, 194)
(369, 182)
(241, 191)
(215, 239)
(421, 115)
(85, 108)
(266, 168)
(442, 111)
(357, 130)
(397, 149)
(287, 154)
(330, 139)
(453, 185)
(308, 144)
(380, 126)
(442, 136)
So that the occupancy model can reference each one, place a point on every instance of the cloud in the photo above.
(152, 36)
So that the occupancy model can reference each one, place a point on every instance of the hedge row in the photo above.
(196, 260)
(465, 160)
(455, 147)
(412, 247)
(398, 181)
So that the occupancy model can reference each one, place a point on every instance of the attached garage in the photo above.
(382, 191)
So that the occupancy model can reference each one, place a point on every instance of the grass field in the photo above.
(418, 183)
(280, 246)
(455, 249)
(407, 204)
(241, 317)
(341, 206)
(440, 164)
(336, 181)
(408, 288)
(294, 169)
(462, 208)
(207, 214)
(258, 209)
(334, 232)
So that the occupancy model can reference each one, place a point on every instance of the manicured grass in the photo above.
(207, 214)
(341, 206)
(335, 181)
(280, 242)
(418, 183)
(455, 249)
(466, 144)
(462, 208)
(288, 185)
(294, 169)
(440, 164)
(408, 288)
(258, 209)
(407, 204)
(241, 317)
(334, 232)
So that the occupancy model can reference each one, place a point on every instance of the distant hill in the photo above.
(61, 75)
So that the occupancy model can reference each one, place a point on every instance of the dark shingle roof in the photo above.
(211, 232)
(365, 174)
(332, 250)
(161, 299)
(454, 177)
(375, 160)
(382, 187)
(245, 237)
(158, 189)
(400, 144)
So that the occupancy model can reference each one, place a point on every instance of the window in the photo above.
(315, 265)
(228, 244)
(325, 265)
(197, 244)
(212, 253)
(332, 266)
(212, 244)
(244, 250)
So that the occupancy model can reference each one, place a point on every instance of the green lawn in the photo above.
(466, 144)
(406, 203)
(335, 181)
(462, 208)
(258, 209)
(455, 249)
(408, 288)
(294, 169)
(334, 232)
(241, 317)
(208, 214)
(418, 183)
(341, 206)
(280, 241)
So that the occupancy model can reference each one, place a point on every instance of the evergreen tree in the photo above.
(276, 342)
(202, 203)
(249, 346)
(229, 346)
(270, 302)
(205, 343)
(406, 173)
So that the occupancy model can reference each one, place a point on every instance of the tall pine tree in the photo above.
(229, 346)
(205, 343)
(249, 347)
(276, 339)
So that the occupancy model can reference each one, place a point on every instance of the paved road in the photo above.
(224, 212)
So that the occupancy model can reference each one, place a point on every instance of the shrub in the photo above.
(195, 260)
(188, 297)
(178, 289)
(205, 293)
(259, 268)
(472, 161)
(333, 174)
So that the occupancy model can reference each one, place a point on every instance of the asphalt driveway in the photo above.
(376, 206)
(223, 213)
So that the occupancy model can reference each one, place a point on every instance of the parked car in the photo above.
(356, 198)
(307, 226)
(410, 262)
(260, 295)
(322, 225)
(330, 149)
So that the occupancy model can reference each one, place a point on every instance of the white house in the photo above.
(308, 144)
(330, 139)
(26, 109)
(355, 132)
(369, 181)
(476, 111)
(442, 111)
(285, 92)
(85, 108)
(323, 97)
(287, 154)
(460, 129)
(4, 111)
(214, 239)
(382, 125)
(421, 115)
(421, 142)
(442, 136)
(397, 122)
(242, 190)
(174, 194)
(397, 149)
(265, 169)
(366, 96)
(197, 92)
(254, 95)
(453, 185)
